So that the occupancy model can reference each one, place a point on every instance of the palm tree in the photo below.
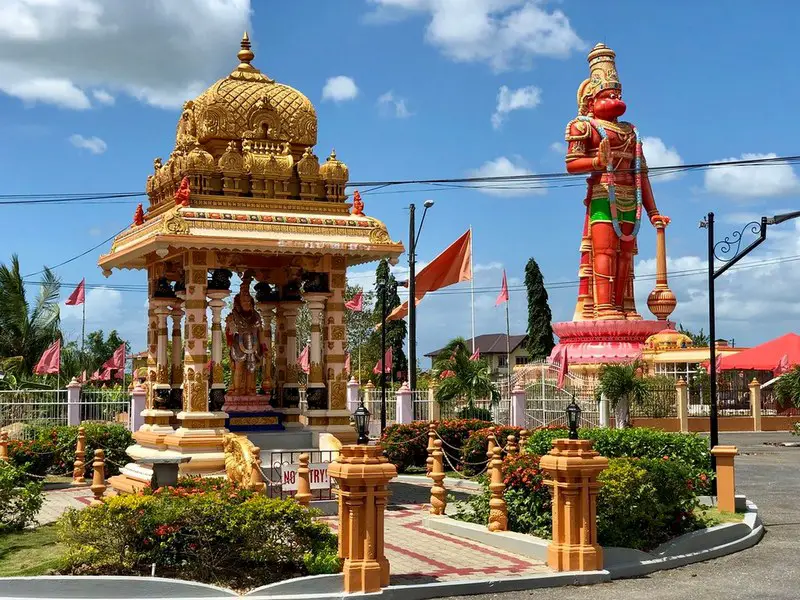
(27, 330)
(622, 384)
(461, 378)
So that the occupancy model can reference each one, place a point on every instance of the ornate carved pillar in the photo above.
(335, 342)
(267, 312)
(291, 387)
(176, 371)
(316, 393)
(280, 354)
(152, 339)
(200, 435)
(162, 386)
(216, 304)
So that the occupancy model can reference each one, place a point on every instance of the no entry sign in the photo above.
(317, 476)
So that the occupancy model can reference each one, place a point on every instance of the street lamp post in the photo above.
(384, 296)
(728, 252)
(413, 235)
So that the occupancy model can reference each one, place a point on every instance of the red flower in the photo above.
(666, 457)
(703, 477)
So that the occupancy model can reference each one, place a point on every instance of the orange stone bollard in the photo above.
(362, 474)
(98, 486)
(79, 466)
(523, 441)
(438, 491)
(4, 445)
(573, 468)
(303, 495)
(726, 477)
(498, 511)
(431, 440)
(511, 445)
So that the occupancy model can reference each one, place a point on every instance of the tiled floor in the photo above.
(56, 502)
(420, 555)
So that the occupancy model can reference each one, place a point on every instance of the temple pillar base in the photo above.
(291, 418)
(335, 422)
(317, 396)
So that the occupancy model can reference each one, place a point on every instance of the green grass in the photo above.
(29, 552)
(713, 516)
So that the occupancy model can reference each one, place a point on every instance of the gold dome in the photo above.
(668, 339)
(248, 105)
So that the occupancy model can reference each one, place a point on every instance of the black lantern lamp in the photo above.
(573, 419)
(361, 418)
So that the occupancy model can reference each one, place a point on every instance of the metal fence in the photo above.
(280, 473)
(661, 402)
(19, 408)
(105, 406)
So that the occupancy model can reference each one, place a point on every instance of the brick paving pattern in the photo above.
(419, 555)
(56, 502)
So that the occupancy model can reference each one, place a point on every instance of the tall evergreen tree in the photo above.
(395, 330)
(540, 330)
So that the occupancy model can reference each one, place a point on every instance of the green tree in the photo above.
(360, 330)
(395, 330)
(99, 348)
(27, 329)
(787, 388)
(461, 378)
(623, 385)
(540, 330)
(699, 340)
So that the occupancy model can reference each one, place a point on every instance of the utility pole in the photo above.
(412, 305)
(384, 296)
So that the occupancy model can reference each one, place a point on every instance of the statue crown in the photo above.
(602, 76)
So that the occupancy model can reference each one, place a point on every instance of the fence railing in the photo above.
(21, 408)
(661, 402)
(279, 470)
(105, 406)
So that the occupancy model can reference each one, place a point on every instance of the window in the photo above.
(521, 360)
(502, 361)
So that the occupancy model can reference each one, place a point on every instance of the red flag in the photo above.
(718, 363)
(347, 363)
(82, 377)
(78, 296)
(385, 364)
(476, 355)
(563, 366)
(117, 360)
(304, 360)
(451, 266)
(50, 362)
(503, 297)
(783, 365)
(357, 303)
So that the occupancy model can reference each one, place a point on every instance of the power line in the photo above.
(82, 254)
(488, 182)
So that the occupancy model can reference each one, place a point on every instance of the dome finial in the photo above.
(245, 55)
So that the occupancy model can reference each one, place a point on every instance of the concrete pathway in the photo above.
(418, 555)
(57, 501)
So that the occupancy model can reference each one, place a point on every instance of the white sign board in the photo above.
(317, 476)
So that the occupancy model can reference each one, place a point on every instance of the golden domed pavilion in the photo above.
(243, 192)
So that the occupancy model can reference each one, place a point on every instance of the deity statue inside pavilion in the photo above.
(606, 325)
(247, 343)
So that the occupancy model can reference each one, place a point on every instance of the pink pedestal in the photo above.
(596, 342)
(246, 404)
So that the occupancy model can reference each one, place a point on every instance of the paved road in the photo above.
(770, 477)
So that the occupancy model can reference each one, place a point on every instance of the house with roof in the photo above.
(492, 348)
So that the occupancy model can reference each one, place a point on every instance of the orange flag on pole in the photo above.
(454, 265)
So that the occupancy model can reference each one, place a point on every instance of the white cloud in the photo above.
(103, 308)
(103, 97)
(505, 167)
(393, 106)
(752, 181)
(54, 51)
(502, 33)
(59, 92)
(93, 144)
(95, 231)
(559, 147)
(509, 100)
(658, 154)
(340, 89)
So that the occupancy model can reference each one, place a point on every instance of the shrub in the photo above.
(641, 504)
(795, 428)
(406, 445)
(20, 499)
(59, 444)
(224, 536)
(473, 451)
(638, 442)
(32, 456)
(475, 412)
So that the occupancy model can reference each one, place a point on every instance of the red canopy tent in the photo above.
(766, 356)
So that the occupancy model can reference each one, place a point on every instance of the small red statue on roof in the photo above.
(182, 193)
(358, 205)
(138, 216)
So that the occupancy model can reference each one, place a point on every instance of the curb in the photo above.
(451, 483)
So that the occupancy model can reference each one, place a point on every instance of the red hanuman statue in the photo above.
(610, 151)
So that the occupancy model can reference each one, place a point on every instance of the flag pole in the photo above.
(83, 335)
(508, 346)
(472, 287)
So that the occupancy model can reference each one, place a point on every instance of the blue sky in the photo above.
(90, 91)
